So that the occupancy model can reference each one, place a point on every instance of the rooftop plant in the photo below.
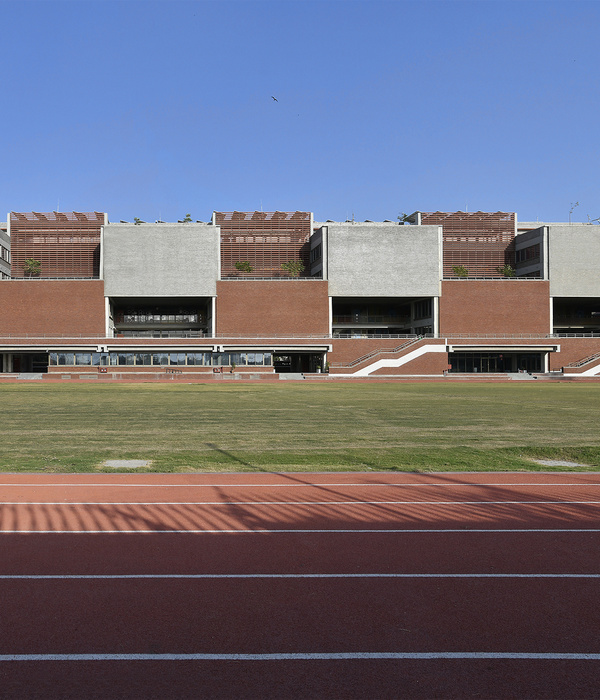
(32, 267)
(460, 271)
(294, 267)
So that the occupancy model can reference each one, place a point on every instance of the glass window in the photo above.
(160, 358)
(198, 358)
(178, 358)
(143, 358)
(268, 358)
(96, 358)
(83, 358)
(66, 358)
(53, 358)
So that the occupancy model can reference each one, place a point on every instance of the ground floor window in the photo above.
(159, 359)
(490, 362)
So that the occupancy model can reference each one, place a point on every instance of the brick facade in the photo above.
(495, 307)
(52, 308)
(272, 308)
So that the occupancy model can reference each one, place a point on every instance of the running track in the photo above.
(300, 586)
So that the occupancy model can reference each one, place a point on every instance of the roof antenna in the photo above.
(572, 208)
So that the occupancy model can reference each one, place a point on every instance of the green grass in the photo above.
(298, 426)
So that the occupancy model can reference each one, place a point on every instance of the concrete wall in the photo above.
(160, 259)
(52, 308)
(380, 259)
(526, 240)
(495, 307)
(5, 244)
(574, 260)
(277, 308)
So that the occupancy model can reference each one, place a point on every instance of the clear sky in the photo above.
(157, 109)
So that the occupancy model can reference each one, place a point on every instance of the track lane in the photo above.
(189, 517)
(274, 616)
(334, 615)
(297, 552)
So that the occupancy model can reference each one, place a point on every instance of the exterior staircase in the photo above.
(373, 354)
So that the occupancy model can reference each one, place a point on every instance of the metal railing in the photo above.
(50, 279)
(455, 278)
(379, 351)
(585, 361)
(326, 336)
(225, 278)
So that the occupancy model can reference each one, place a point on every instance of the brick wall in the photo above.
(59, 308)
(495, 307)
(277, 308)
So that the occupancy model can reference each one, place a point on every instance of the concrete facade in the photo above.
(4, 253)
(160, 260)
(379, 259)
(574, 260)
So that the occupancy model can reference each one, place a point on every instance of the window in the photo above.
(529, 254)
(423, 308)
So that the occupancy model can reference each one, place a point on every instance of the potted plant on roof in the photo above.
(32, 268)
(294, 267)
(243, 266)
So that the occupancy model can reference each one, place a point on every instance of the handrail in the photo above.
(380, 351)
(37, 278)
(327, 336)
(271, 279)
(585, 361)
(454, 278)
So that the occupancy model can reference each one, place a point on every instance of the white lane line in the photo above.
(356, 531)
(343, 656)
(296, 485)
(290, 503)
(111, 577)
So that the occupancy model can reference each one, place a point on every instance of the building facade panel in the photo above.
(574, 260)
(259, 308)
(495, 307)
(160, 260)
(262, 242)
(481, 242)
(37, 308)
(388, 260)
(62, 244)
(4, 253)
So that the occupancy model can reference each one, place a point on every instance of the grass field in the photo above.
(248, 427)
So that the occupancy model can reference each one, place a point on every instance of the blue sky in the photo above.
(157, 109)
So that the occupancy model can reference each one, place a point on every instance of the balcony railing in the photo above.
(370, 318)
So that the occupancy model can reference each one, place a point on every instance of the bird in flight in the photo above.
(274, 98)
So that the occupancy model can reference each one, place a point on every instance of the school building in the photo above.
(257, 294)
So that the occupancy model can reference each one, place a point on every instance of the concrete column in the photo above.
(213, 317)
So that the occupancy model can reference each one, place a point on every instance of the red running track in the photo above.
(300, 586)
